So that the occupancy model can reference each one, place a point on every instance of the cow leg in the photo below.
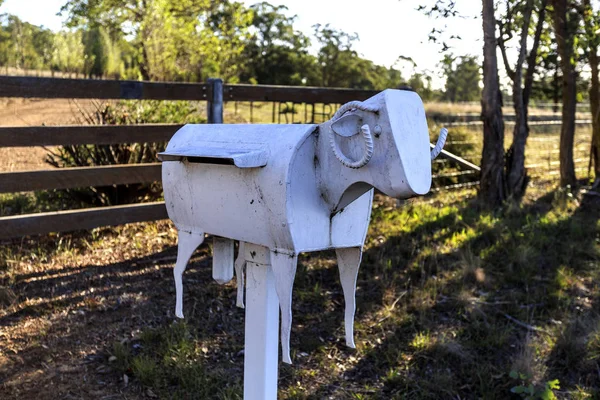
(222, 260)
(348, 263)
(240, 264)
(284, 271)
(187, 243)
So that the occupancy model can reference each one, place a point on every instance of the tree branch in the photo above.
(532, 57)
(502, 44)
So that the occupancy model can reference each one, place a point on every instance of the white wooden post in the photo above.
(262, 326)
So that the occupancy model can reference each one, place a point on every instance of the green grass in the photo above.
(453, 301)
(170, 361)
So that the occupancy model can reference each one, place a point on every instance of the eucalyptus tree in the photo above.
(68, 52)
(462, 78)
(517, 18)
(492, 188)
(566, 21)
(504, 176)
(591, 23)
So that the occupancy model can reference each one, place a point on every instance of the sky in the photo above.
(387, 29)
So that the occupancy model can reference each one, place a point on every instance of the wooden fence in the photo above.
(214, 92)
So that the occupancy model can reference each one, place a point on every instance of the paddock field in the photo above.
(454, 301)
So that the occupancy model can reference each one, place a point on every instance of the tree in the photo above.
(6, 43)
(520, 13)
(174, 39)
(25, 45)
(492, 179)
(565, 23)
(339, 65)
(68, 52)
(277, 53)
(591, 22)
(420, 82)
(492, 186)
(462, 78)
(97, 51)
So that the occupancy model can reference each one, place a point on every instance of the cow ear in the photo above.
(348, 125)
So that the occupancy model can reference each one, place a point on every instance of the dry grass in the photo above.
(90, 315)
(452, 298)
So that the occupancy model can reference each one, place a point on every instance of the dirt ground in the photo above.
(35, 112)
(68, 300)
(73, 305)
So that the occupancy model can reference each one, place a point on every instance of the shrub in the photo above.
(121, 113)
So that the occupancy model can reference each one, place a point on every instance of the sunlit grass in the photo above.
(451, 298)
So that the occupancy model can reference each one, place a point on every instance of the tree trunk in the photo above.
(492, 190)
(594, 92)
(564, 40)
(145, 64)
(595, 109)
(516, 174)
(556, 88)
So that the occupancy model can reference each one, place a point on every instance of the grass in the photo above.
(452, 298)
(453, 301)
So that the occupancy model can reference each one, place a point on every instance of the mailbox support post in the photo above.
(214, 105)
(261, 326)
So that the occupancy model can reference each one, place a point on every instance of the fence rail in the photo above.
(78, 177)
(62, 221)
(85, 134)
(213, 92)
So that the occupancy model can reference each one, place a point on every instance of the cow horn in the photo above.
(364, 130)
(440, 144)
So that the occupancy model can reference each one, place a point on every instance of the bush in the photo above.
(121, 113)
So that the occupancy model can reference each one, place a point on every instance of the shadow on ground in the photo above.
(452, 298)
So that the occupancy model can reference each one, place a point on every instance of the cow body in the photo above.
(294, 188)
(277, 206)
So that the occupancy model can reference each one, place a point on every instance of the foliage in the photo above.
(68, 52)
(340, 66)
(528, 391)
(98, 54)
(175, 40)
(169, 360)
(23, 45)
(462, 78)
(277, 53)
(193, 40)
(122, 113)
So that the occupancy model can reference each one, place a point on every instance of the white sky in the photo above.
(387, 28)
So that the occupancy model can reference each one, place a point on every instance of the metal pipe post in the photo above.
(215, 102)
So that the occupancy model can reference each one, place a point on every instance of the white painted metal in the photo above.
(261, 333)
(187, 242)
(240, 265)
(222, 260)
(292, 189)
(348, 263)
(246, 156)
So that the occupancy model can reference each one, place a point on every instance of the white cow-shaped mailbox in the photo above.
(287, 189)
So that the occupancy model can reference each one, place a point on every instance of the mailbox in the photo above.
(285, 189)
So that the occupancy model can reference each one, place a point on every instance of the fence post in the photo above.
(215, 102)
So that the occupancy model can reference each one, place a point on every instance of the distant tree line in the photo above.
(192, 40)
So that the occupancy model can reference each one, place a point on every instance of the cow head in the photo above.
(382, 142)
